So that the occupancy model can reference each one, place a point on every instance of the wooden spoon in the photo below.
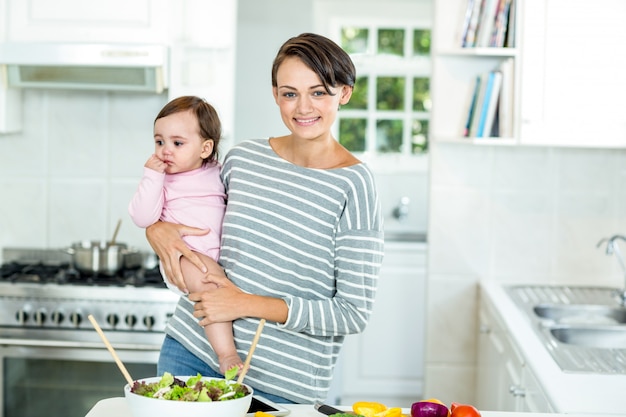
(117, 229)
(246, 364)
(111, 350)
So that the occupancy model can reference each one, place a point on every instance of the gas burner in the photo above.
(32, 272)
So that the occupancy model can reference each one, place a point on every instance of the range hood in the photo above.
(117, 67)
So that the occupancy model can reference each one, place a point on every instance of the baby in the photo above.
(181, 184)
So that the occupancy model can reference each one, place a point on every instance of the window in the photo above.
(390, 107)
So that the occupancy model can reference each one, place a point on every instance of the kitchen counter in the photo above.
(569, 392)
(117, 407)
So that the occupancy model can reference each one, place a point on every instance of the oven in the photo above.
(52, 361)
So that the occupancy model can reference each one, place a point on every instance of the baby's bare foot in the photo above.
(229, 361)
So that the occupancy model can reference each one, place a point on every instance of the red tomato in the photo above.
(463, 410)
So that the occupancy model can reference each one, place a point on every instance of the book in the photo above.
(490, 105)
(500, 29)
(509, 39)
(472, 107)
(466, 21)
(470, 37)
(477, 112)
(507, 95)
(487, 23)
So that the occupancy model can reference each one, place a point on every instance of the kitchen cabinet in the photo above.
(573, 85)
(504, 382)
(385, 363)
(115, 21)
(568, 88)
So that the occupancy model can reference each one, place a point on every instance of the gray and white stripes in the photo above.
(311, 237)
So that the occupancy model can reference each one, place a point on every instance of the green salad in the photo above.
(194, 389)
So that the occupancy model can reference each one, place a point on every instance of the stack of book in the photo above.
(490, 112)
(489, 23)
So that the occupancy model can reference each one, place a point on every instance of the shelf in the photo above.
(479, 52)
(479, 141)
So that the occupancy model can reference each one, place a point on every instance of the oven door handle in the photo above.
(72, 344)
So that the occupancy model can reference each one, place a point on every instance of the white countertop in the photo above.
(569, 392)
(117, 407)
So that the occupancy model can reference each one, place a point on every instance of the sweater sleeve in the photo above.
(147, 204)
(359, 255)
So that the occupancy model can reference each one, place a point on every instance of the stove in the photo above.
(43, 296)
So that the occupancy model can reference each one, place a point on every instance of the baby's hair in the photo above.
(209, 123)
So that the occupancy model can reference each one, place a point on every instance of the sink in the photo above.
(583, 328)
(581, 313)
(604, 337)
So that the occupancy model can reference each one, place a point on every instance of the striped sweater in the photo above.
(311, 237)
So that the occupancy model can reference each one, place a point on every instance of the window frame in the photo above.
(373, 66)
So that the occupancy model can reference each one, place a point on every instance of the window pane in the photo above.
(390, 93)
(419, 136)
(421, 42)
(352, 134)
(391, 41)
(354, 40)
(421, 94)
(359, 95)
(389, 136)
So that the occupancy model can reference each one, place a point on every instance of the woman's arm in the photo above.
(166, 241)
(228, 303)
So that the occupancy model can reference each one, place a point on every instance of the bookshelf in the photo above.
(568, 90)
(458, 68)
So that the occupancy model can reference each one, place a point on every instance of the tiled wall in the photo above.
(514, 214)
(70, 173)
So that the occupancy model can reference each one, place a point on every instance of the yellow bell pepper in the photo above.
(373, 409)
(367, 408)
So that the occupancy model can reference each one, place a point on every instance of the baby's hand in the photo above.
(156, 164)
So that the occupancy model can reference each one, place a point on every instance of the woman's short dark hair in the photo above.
(323, 56)
(208, 119)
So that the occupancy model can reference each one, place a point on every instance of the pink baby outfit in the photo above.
(194, 198)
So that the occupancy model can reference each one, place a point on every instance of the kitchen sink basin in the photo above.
(589, 314)
(583, 328)
(604, 337)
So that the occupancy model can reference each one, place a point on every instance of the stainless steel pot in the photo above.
(98, 257)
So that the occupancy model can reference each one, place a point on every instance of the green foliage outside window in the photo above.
(354, 40)
(390, 93)
(391, 41)
(389, 136)
(352, 134)
(419, 136)
(421, 42)
(359, 95)
(421, 94)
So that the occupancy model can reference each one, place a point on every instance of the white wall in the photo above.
(70, 173)
(517, 215)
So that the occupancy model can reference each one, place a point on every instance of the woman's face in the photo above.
(306, 108)
(178, 143)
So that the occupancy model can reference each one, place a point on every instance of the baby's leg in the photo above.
(220, 335)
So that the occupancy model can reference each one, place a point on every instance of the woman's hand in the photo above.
(166, 240)
(218, 305)
(227, 303)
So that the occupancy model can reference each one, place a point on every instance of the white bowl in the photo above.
(141, 406)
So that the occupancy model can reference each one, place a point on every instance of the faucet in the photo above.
(613, 249)
(401, 211)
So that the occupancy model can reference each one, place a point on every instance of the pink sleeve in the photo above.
(147, 204)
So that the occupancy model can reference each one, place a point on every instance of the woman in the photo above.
(302, 239)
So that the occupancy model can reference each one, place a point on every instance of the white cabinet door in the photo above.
(136, 21)
(534, 400)
(386, 362)
(499, 366)
(572, 70)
